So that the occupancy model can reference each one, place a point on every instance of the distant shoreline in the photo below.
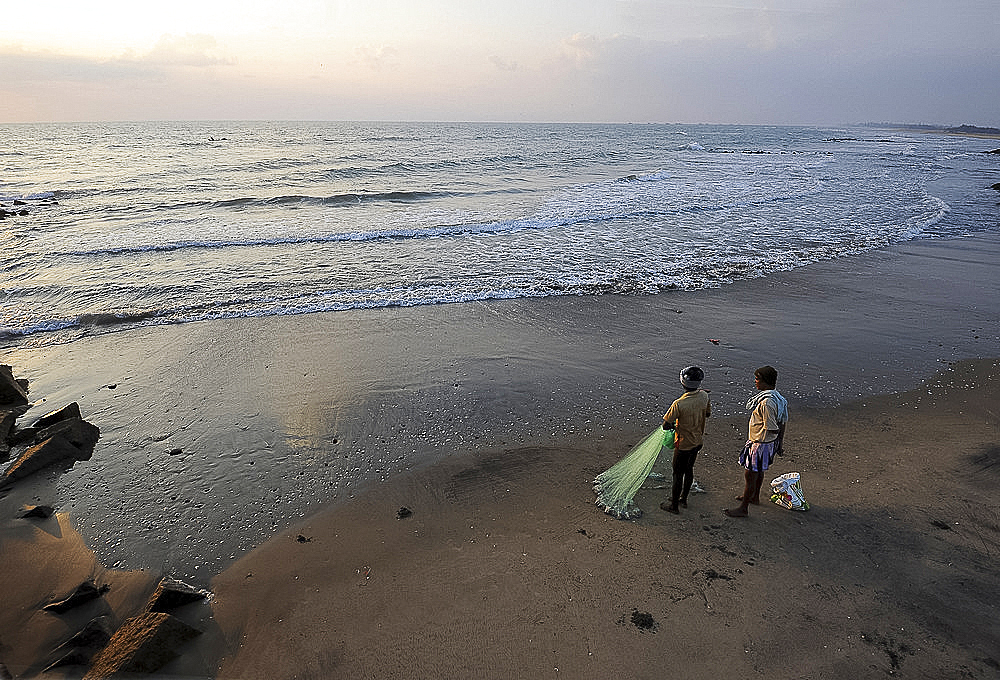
(962, 130)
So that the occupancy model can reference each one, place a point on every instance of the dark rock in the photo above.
(996, 186)
(643, 620)
(403, 513)
(76, 431)
(84, 593)
(81, 648)
(39, 511)
(170, 594)
(12, 391)
(73, 657)
(93, 636)
(143, 644)
(52, 417)
(51, 451)
(56, 449)
(8, 417)
(175, 452)
(22, 435)
(997, 151)
(18, 201)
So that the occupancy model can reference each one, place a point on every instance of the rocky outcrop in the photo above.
(67, 412)
(151, 636)
(8, 417)
(69, 440)
(12, 390)
(94, 635)
(81, 648)
(143, 644)
(82, 594)
(37, 512)
(171, 594)
(76, 431)
(49, 452)
(59, 436)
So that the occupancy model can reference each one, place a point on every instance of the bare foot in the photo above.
(738, 512)
(752, 500)
(670, 508)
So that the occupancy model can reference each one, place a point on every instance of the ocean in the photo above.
(146, 227)
(134, 224)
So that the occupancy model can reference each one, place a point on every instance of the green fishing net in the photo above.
(616, 486)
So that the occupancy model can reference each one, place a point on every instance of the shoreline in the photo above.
(268, 433)
(539, 394)
(975, 131)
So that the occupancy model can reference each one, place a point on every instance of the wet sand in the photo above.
(488, 421)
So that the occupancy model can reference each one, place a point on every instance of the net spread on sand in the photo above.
(616, 486)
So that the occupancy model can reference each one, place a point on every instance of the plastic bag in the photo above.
(787, 492)
(668, 438)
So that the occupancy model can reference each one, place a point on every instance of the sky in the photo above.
(814, 62)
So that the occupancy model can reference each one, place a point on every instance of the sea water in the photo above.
(132, 224)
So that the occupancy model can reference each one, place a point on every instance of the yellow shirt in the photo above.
(688, 413)
(765, 417)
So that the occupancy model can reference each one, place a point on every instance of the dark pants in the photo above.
(683, 473)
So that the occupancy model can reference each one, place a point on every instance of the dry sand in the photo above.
(506, 568)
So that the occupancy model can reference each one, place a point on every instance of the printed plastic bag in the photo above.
(787, 492)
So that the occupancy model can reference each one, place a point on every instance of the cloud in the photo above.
(801, 61)
(589, 52)
(22, 66)
(582, 47)
(377, 57)
(502, 64)
(194, 49)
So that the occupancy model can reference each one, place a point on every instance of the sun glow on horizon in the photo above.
(783, 61)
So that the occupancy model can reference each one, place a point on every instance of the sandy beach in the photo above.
(303, 437)
(506, 570)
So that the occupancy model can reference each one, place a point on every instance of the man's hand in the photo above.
(779, 446)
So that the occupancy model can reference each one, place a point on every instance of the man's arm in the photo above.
(670, 417)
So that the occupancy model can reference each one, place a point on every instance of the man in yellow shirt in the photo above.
(768, 416)
(686, 417)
